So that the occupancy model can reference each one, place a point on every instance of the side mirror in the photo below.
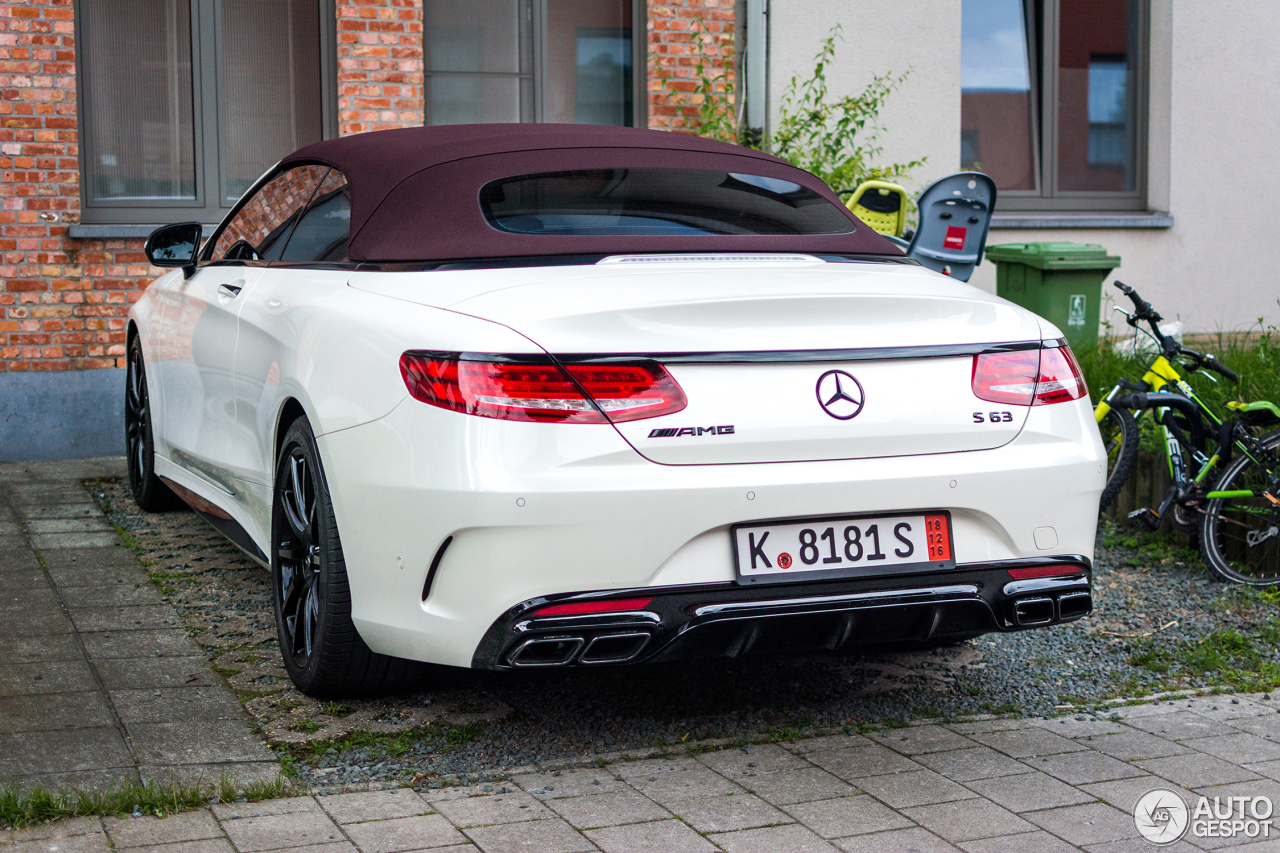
(175, 245)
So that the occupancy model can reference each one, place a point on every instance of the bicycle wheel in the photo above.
(1240, 537)
(1120, 438)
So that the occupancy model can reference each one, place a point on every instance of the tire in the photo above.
(321, 648)
(1228, 522)
(149, 492)
(1120, 438)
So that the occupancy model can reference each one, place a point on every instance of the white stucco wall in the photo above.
(1214, 127)
(922, 119)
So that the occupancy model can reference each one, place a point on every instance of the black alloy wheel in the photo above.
(322, 651)
(149, 492)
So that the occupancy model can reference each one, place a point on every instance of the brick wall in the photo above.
(674, 28)
(64, 302)
(379, 65)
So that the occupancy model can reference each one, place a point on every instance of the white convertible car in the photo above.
(503, 396)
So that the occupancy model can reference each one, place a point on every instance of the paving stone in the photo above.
(77, 780)
(124, 617)
(568, 784)
(50, 711)
(196, 742)
(34, 621)
(1029, 791)
(276, 831)
(997, 724)
(1132, 745)
(755, 759)
(697, 781)
(1178, 725)
(241, 773)
(67, 510)
(168, 642)
(913, 840)
(610, 809)
(143, 831)
(1031, 842)
(26, 597)
(99, 595)
(403, 833)
(630, 771)
(18, 565)
(851, 764)
(968, 820)
(1196, 770)
(921, 739)
(45, 647)
(205, 845)
(1087, 824)
(1270, 769)
(264, 808)
(1141, 845)
(93, 567)
(30, 679)
(1224, 708)
(1026, 742)
(77, 844)
(818, 744)
(138, 673)
(1261, 726)
(62, 751)
(920, 788)
(798, 786)
(374, 805)
(725, 814)
(847, 816)
(793, 839)
(82, 524)
(529, 837)
(1237, 748)
(176, 704)
(1079, 768)
(667, 836)
(964, 765)
(495, 808)
(1125, 793)
(50, 541)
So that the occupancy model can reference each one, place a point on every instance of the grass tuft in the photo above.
(20, 808)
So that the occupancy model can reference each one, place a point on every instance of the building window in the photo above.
(1052, 101)
(185, 103)
(566, 61)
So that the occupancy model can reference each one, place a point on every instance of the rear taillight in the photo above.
(1044, 571)
(586, 608)
(541, 391)
(1028, 377)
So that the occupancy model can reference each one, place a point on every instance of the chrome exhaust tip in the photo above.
(1073, 605)
(1028, 612)
(615, 648)
(546, 651)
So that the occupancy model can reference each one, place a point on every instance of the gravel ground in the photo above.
(1160, 624)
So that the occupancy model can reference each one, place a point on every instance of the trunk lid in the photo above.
(760, 345)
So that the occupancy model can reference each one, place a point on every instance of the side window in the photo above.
(261, 228)
(321, 235)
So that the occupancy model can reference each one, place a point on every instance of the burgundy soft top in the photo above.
(415, 191)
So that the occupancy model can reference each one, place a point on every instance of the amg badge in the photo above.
(673, 432)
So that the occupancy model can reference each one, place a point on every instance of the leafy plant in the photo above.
(835, 138)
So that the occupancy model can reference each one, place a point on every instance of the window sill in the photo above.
(1031, 219)
(117, 232)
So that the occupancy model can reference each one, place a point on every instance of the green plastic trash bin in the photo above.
(1061, 282)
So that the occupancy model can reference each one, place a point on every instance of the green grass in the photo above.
(1225, 658)
(20, 808)
(1255, 357)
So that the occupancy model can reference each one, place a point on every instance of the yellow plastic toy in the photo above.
(882, 205)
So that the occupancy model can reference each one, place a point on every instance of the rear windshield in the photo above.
(657, 202)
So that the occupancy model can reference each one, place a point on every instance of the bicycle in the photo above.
(1238, 519)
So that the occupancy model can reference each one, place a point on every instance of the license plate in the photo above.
(851, 546)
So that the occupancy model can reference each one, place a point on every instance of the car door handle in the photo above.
(230, 291)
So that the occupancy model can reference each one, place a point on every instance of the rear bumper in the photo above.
(726, 620)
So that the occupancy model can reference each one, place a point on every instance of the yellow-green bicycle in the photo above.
(1225, 471)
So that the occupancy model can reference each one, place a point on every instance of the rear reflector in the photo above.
(1044, 571)
(1028, 377)
(579, 608)
(541, 391)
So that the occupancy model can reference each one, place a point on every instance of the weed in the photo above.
(462, 733)
(307, 726)
(224, 671)
(335, 709)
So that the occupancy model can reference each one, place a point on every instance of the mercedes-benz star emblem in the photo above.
(840, 395)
